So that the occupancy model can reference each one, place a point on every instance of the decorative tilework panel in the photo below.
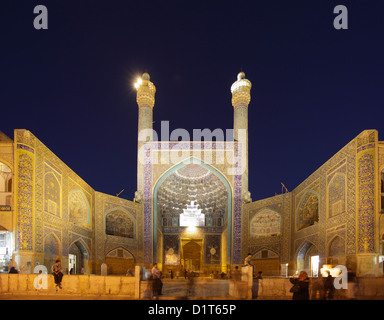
(25, 203)
(171, 250)
(212, 249)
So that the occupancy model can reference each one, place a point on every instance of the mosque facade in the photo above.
(192, 209)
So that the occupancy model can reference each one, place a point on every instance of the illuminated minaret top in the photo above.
(241, 91)
(145, 91)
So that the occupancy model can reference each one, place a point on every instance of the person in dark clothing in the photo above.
(236, 275)
(329, 288)
(256, 283)
(13, 270)
(57, 272)
(300, 287)
(157, 283)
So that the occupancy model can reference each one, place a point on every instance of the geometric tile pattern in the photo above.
(52, 201)
(345, 189)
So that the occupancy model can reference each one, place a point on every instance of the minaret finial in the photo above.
(145, 91)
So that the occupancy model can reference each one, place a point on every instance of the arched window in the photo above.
(265, 223)
(79, 211)
(336, 195)
(5, 178)
(382, 191)
(308, 210)
(119, 223)
(5, 187)
(52, 194)
(336, 251)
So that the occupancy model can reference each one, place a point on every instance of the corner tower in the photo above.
(145, 99)
(241, 96)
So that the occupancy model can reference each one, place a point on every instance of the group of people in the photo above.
(56, 269)
(323, 288)
(301, 283)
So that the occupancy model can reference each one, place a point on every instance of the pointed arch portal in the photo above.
(232, 236)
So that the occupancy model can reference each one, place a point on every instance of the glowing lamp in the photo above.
(192, 216)
(138, 83)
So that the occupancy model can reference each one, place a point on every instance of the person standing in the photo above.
(329, 288)
(236, 274)
(256, 285)
(156, 284)
(57, 272)
(300, 287)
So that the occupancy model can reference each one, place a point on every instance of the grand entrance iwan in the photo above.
(193, 205)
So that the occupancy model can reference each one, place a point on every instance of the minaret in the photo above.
(241, 96)
(145, 100)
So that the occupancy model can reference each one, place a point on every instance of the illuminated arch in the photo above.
(214, 171)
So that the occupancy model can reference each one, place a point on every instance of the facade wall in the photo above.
(6, 157)
(273, 211)
(381, 201)
(54, 206)
(334, 185)
(57, 213)
(334, 213)
(115, 246)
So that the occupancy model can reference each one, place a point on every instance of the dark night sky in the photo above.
(314, 88)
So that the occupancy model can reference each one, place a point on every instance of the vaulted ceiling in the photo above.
(192, 182)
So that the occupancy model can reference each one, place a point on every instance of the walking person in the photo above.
(191, 284)
(57, 272)
(300, 287)
(352, 291)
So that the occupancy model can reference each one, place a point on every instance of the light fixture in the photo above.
(138, 83)
(191, 229)
(192, 216)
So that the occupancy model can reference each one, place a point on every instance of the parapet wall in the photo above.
(71, 284)
(133, 288)
(279, 289)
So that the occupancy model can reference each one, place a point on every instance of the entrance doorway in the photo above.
(266, 261)
(78, 258)
(72, 263)
(308, 259)
(120, 261)
(315, 266)
(192, 254)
